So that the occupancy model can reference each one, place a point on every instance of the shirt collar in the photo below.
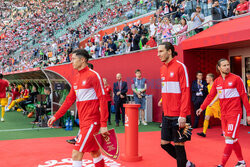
(171, 62)
(83, 70)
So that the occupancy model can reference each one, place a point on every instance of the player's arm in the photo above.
(100, 93)
(215, 99)
(208, 99)
(70, 99)
(185, 95)
(243, 95)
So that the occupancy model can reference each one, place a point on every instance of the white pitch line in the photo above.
(13, 130)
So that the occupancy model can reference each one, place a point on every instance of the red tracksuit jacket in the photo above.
(230, 91)
(175, 89)
(88, 92)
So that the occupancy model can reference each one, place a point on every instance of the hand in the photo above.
(213, 5)
(248, 120)
(104, 131)
(198, 112)
(118, 93)
(160, 103)
(182, 122)
(51, 121)
(122, 96)
(139, 96)
(210, 105)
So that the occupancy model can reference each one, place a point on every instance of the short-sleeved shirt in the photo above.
(139, 84)
(197, 22)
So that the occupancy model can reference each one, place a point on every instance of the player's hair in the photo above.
(1, 76)
(81, 53)
(211, 75)
(221, 60)
(199, 72)
(47, 88)
(35, 87)
(138, 70)
(169, 46)
(91, 66)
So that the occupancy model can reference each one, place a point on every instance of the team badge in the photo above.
(75, 87)
(171, 74)
(83, 82)
(230, 83)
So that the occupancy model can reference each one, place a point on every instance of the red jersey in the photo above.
(108, 91)
(231, 92)
(175, 89)
(15, 93)
(88, 92)
(3, 85)
(242, 7)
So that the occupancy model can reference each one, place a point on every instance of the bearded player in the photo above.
(231, 92)
(175, 102)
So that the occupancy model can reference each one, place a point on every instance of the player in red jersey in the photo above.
(175, 91)
(3, 99)
(88, 92)
(231, 92)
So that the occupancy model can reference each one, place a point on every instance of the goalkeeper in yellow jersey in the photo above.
(214, 107)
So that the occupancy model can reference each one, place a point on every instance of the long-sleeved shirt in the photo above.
(3, 85)
(231, 92)
(88, 92)
(175, 89)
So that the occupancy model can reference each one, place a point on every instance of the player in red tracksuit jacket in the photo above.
(231, 92)
(175, 102)
(3, 99)
(88, 92)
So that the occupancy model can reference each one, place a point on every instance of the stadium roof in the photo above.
(228, 34)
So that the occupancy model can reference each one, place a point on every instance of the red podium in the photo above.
(131, 133)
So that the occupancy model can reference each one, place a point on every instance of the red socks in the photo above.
(237, 150)
(230, 146)
(227, 151)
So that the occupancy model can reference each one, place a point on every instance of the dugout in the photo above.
(41, 78)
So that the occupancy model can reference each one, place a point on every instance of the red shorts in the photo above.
(230, 125)
(86, 141)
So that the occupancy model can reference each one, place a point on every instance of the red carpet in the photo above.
(48, 152)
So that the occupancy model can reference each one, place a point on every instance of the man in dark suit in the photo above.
(120, 89)
(111, 47)
(199, 93)
(217, 12)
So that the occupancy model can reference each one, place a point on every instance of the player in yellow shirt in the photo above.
(214, 107)
(248, 85)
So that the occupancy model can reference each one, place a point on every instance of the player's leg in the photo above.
(166, 137)
(77, 158)
(231, 129)
(3, 102)
(205, 123)
(12, 104)
(97, 158)
(181, 156)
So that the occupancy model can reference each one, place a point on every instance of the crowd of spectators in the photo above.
(31, 24)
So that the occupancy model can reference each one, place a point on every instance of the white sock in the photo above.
(98, 159)
(77, 164)
(188, 164)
